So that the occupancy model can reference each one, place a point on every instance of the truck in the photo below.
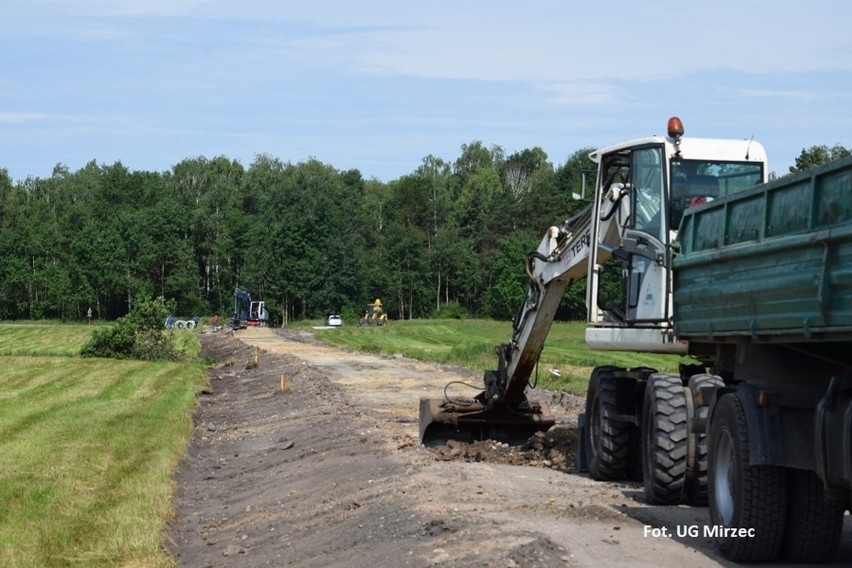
(750, 281)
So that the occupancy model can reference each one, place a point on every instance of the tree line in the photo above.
(448, 239)
(307, 238)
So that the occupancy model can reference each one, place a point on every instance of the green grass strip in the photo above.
(88, 448)
(41, 338)
(470, 343)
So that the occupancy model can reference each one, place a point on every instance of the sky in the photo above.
(380, 85)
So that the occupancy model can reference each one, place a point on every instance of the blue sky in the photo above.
(379, 85)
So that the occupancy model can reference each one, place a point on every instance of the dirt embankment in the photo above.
(328, 472)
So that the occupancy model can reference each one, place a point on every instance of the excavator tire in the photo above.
(608, 442)
(634, 456)
(665, 429)
(696, 466)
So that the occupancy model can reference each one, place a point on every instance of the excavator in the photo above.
(248, 312)
(643, 187)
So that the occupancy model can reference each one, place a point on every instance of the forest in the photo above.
(447, 240)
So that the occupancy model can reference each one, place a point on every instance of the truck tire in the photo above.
(607, 439)
(696, 462)
(814, 527)
(664, 439)
(743, 497)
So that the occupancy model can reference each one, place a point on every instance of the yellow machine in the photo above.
(373, 314)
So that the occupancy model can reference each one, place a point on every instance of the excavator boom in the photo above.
(502, 411)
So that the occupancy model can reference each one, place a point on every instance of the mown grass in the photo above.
(471, 343)
(88, 448)
(41, 338)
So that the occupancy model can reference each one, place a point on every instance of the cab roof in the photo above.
(694, 148)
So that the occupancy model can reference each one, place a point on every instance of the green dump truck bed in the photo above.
(773, 262)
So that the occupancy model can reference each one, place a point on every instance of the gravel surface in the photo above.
(307, 455)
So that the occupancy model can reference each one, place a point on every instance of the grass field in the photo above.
(47, 339)
(88, 448)
(471, 343)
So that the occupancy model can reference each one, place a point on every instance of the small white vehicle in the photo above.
(334, 320)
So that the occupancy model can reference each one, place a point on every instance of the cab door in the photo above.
(646, 268)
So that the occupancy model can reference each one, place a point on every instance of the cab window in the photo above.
(648, 203)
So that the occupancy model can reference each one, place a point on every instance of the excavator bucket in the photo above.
(469, 421)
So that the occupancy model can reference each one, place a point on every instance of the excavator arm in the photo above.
(502, 410)
(242, 303)
(560, 260)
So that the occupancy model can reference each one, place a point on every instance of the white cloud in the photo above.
(581, 94)
(562, 42)
(783, 94)
(120, 8)
(545, 41)
(22, 117)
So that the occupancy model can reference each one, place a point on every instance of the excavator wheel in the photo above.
(664, 439)
(696, 465)
(608, 440)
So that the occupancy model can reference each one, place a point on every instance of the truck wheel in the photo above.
(696, 461)
(664, 439)
(814, 527)
(743, 497)
(608, 440)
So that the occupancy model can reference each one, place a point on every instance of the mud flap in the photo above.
(833, 438)
(442, 420)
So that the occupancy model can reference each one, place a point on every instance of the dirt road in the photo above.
(328, 472)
